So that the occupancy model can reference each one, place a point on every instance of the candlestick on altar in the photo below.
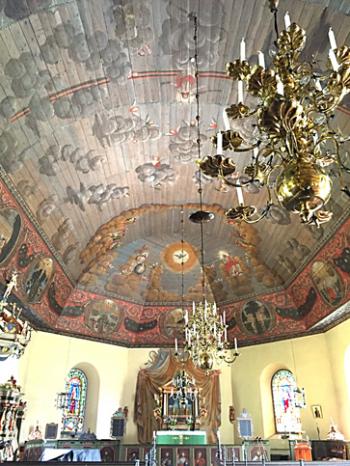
(219, 445)
(236, 347)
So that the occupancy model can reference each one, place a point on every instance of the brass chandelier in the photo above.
(296, 153)
(205, 330)
(206, 336)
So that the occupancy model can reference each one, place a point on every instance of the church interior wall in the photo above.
(308, 359)
(319, 363)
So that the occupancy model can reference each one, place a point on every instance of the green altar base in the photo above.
(181, 437)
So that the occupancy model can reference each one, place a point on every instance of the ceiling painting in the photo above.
(98, 144)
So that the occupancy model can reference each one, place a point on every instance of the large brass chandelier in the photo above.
(205, 330)
(296, 152)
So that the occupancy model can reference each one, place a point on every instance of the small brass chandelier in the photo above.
(296, 153)
(15, 333)
(206, 336)
(205, 330)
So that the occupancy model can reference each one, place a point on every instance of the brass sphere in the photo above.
(303, 187)
(206, 361)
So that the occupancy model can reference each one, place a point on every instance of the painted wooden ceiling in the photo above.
(98, 147)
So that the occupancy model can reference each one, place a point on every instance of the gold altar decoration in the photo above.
(15, 332)
(297, 152)
(148, 389)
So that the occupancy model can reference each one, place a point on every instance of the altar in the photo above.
(181, 437)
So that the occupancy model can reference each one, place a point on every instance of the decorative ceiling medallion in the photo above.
(171, 323)
(257, 318)
(178, 256)
(103, 317)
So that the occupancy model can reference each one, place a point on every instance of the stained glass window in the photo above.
(76, 390)
(287, 414)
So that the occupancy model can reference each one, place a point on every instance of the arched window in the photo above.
(287, 413)
(76, 390)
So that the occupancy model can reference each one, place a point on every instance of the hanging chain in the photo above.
(182, 257)
(200, 189)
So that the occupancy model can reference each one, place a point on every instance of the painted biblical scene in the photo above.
(257, 318)
(328, 282)
(118, 263)
(38, 278)
(102, 317)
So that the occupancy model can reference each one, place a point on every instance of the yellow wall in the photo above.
(308, 359)
(45, 365)
(318, 363)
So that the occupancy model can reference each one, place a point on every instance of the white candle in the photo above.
(333, 59)
(240, 195)
(219, 149)
(331, 38)
(226, 121)
(242, 49)
(318, 85)
(240, 92)
(224, 317)
(176, 348)
(280, 87)
(186, 317)
(225, 334)
(255, 152)
(193, 307)
(286, 20)
(236, 348)
(261, 59)
(214, 309)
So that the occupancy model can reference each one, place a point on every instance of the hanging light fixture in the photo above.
(205, 329)
(61, 401)
(15, 333)
(297, 153)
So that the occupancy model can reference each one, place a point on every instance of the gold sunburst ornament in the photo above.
(296, 152)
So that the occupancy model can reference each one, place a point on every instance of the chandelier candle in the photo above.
(261, 59)
(286, 20)
(219, 146)
(242, 49)
(333, 60)
(332, 40)
(240, 92)
(226, 120)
